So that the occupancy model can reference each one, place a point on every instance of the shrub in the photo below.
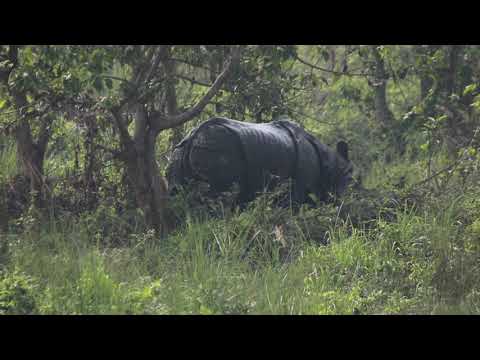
(16, 294)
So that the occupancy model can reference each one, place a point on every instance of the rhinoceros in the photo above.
(223, 152)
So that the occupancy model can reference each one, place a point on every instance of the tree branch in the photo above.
(140, 131)
(170, 93)
(142, 67)
(117, 118)
(304, 62)
(162, 51)
(115, 78)
(44, 134)
(457, 161)
(162, 122)
(115, 153)
(311, 117)
(143, 73)
(190, 64)
(193, 81)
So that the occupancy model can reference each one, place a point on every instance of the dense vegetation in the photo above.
(87, 227)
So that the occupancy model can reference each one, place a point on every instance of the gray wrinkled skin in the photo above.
(258, 156)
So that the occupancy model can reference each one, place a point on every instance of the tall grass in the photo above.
(8, 159)
(421, 259)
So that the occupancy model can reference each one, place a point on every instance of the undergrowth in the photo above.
(386, 250)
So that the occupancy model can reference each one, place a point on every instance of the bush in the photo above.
(16, 294)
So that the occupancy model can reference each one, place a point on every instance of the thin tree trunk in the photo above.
(89, 163)
(382, 112)
(457, 130)
(31, 157)
(171, 99)
(442, 81)
(426, 80)
(453, 64)
(158, 187)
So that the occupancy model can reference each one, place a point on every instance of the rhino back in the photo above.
(268, 147)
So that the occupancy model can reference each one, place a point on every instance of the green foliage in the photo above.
(416, 260)
(8, 159)
(17, 294)
(404, 241)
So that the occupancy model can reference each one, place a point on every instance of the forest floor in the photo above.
(392, 249)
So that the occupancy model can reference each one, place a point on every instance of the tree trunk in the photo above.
(171, 98)
(442, 80)
(453, 65)
(426, 84)
(30, 153)
(426, 79)
(31, 156)
(382, 112)
(455, 122)
(144, 175)
(89, 163)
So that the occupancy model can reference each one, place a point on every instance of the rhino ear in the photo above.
(342, 149)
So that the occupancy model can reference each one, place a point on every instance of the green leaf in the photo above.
(476, 105)
(442, 118)
(469, 89)
(3, 102)
(424, 147)
(205, 310)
